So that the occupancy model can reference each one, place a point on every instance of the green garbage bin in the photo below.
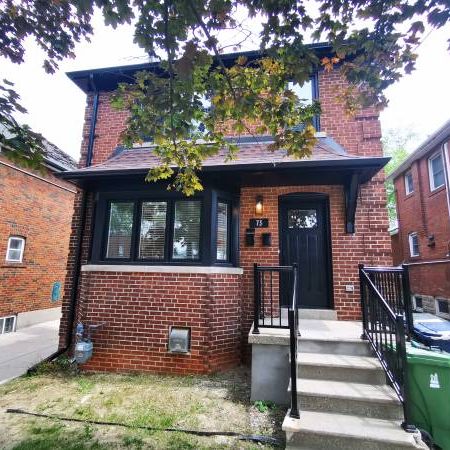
(429, 393)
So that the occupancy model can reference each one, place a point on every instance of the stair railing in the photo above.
(269, 285)
(384, 327)
(293, 340)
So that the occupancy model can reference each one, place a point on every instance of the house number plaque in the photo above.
(259, 223)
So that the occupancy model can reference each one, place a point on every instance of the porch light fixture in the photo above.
(259, 205)
(179, 339)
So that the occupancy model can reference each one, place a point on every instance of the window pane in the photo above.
(437, 168)
(119, 232)
(15, 243)
(14, 255)
(304, 92)
(413, 244)
(153, 230)
(9, 325)
(186, 235)
(222, 231)
(302, 218)
(409, 183)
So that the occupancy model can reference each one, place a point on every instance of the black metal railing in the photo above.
(393, 285)
(384, 324)
(293, 340)
(271, 285)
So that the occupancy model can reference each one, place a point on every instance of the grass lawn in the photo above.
(216, 403)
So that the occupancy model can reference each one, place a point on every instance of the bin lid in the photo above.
(420, 356)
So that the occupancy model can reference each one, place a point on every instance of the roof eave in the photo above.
(375, 164)
(435, 140)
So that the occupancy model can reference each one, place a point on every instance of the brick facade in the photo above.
(138, 309)
(426, 213)
(161, 299)
(38, 208)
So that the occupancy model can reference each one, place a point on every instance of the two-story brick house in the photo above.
(150, 259)
(36, 212)
(181, 284)
(422, 239)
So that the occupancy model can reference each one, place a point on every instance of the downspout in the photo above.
(80, 236)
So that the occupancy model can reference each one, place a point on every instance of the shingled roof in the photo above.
(251, 154)
(57, 159)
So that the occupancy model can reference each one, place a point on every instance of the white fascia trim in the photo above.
(161, 269)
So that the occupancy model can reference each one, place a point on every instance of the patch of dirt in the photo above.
(215, 403)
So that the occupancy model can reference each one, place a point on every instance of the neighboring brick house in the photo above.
(422, 239)
(144, 259)
(36, 213)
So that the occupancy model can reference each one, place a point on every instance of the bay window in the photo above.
(170, 229)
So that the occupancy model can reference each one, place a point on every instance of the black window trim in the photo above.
(208, 227)
(229, 225)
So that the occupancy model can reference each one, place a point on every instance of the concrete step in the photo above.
(319, 430)
(341, 397)
(355, 347)
(357, 369)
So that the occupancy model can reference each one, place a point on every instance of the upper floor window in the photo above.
(16, 247)
(436, 171)
(303, 92)
(409, 184)
(413, 244)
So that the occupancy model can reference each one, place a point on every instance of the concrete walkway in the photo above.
(26, 347)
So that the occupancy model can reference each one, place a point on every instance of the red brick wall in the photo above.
(370, 244)
(139, 308)
(426, 213)
(41, 212)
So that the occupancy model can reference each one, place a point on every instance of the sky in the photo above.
(418, 102)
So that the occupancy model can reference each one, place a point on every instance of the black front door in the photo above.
(304, 239)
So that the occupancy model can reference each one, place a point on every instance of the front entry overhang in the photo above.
(350, 174)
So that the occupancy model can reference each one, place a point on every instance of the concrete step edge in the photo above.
(338, 361)
(340, 390)
(347, 426)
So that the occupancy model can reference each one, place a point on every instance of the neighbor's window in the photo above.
(153, 230)
(413, 244)
(7, 324)
(119, 230)
(186, 230)
(222, 231)
(409, 184)
(442, 307)
(436, 171)
(16, 247)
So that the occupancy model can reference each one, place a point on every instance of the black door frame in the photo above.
(325, 200)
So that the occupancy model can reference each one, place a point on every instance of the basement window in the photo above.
(417, 303)
(16, 247)
(442, 307)
(7, 324)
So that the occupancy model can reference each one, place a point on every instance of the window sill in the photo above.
(13, 265)
(437, 190)
(161, 269)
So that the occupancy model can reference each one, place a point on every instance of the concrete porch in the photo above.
(343, 397)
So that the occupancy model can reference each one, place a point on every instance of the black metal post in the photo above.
(401, 349)
(293, 350)
(407, 301)
(257, 299)
(363, 302)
